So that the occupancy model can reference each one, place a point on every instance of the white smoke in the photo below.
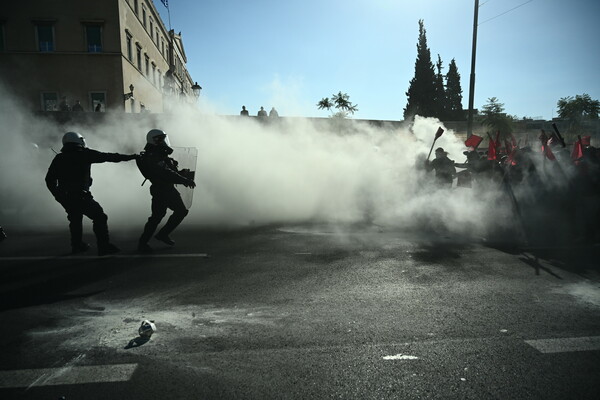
(248, 172)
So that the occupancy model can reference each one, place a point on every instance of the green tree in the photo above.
(341, 102)
(421, 93)
(493, 116)
(440, 91)
(578, 110)
(454, 109)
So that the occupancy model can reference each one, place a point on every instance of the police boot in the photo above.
(80, 247)
(107, 248)
(165, 239)
(144, 248)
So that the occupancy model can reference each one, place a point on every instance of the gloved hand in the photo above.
(189, 183)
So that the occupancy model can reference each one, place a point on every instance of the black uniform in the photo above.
(69, 180)
(444, 170)
(161, 170)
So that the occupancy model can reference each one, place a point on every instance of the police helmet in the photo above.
(157, 137)
(74, 138)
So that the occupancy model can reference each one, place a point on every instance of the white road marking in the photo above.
(66, 376)
(563, 345)
(400, 357)
(92, 257)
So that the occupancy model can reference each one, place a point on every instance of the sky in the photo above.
(290, 54)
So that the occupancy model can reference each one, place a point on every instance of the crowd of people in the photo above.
(261, 114)
(76, 106)
(546, 182)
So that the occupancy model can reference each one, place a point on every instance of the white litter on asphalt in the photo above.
(66, 375)
(91, 257)
(400, 357)
(563, 345)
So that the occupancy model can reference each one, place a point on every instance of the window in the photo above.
(159, 78)
(136, 6)
(45, 36)
(98, 101)
(144, 15)
(154, 73)
(157, 37)
(129, 47)
(147, 64)
(151, 27)
(163, 47)
(139, 56)
(49, 101)
(93, 36)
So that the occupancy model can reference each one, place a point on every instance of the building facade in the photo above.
(107, 55)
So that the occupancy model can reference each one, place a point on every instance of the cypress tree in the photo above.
(455, 110)
(421, 93)
(440, 92)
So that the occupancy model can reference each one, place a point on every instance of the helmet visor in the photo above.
(162, 140)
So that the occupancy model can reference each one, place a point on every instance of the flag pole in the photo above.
(437, 135)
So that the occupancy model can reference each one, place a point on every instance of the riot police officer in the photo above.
(161, 170)
(69, 180)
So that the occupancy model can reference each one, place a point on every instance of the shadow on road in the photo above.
(137, 342)
(35, 283)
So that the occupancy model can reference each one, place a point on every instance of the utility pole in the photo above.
(472, 83)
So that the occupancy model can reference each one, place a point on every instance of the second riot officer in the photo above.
(161, 170)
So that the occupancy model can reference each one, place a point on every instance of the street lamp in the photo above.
(129, 95)
(196, 89)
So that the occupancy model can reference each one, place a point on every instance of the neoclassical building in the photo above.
(109, 55)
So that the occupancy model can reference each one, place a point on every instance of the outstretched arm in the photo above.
(96, 157)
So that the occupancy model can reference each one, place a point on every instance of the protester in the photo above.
(244, 112)
(63, 106)
(69, 180)
(77, 106)
(273, 113)
(161, 170)
(443, 166)
(261, 113)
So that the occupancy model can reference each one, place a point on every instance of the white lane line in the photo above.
(400, 357)
(90, 257)
(66, 376)
(563, 345)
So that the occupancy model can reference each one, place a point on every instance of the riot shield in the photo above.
(187, 158)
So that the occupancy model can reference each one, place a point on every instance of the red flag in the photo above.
(545, 148)
(577, 152)
(511, 149)
(498, 143)
(439, 133)
(473, 141)
(491, 150)
(586, 141)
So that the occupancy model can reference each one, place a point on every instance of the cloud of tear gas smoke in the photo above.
(248, 172)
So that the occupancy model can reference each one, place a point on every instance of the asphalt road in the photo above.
(299, 312)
